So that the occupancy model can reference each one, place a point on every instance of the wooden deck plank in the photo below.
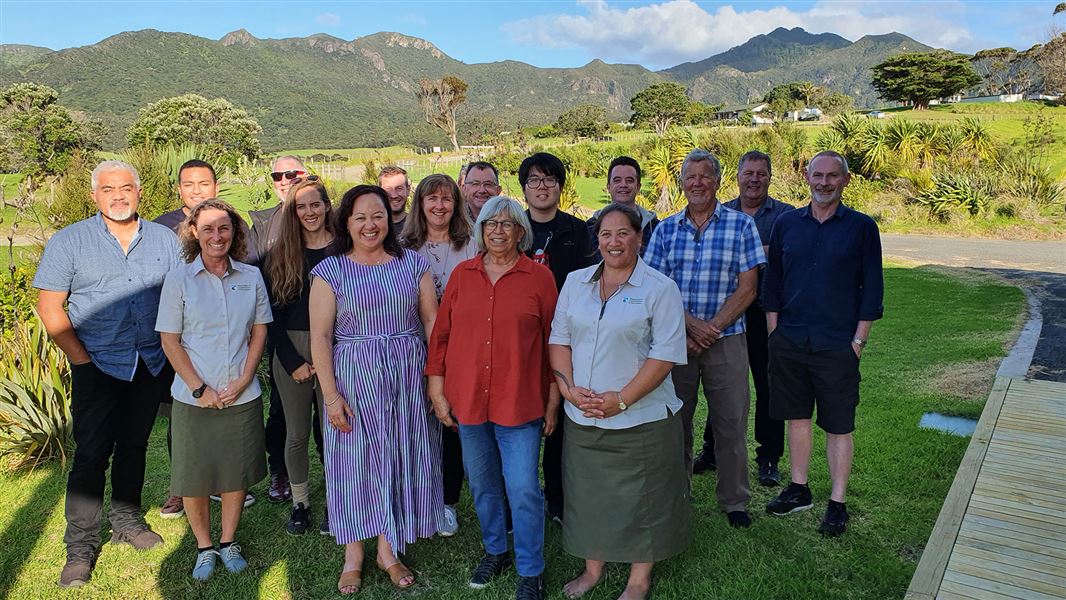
(978, 582)
(1028, 568)
(997, 545)
(931, 566)
(1057, 530)
(1027, 507)
(1022, 478)
(1026, 531)
(959, 591)
(984, 534)
(1032, 495)
(1009, 578)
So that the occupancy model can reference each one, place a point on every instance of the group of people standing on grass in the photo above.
(426, 345)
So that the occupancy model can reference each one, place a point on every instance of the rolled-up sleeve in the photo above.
(171, 316)
(262, 302)
(871, 305)
(668, 326)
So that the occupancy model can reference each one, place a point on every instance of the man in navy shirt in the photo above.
(823, 291)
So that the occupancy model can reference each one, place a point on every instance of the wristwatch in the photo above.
(622, 406)
(199, 392)
(858, 342)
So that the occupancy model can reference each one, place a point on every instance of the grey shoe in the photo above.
(449, 523)
(205, 565)
(231, 557)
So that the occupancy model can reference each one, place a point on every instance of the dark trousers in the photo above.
(112, 419)
(552, 463)
(451, 465)
(769, 432)
(275, 427)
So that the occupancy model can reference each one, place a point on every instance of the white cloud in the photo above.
(328, 19)
(675, 31)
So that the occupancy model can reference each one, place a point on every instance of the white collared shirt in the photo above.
(214, 316)
(611, 340)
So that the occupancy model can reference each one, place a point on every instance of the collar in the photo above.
(682, 217)
(524, 264)
(837, 214)
(98, 219)
(561, 222)
(197, 266)
(636, 278)
(767, 206)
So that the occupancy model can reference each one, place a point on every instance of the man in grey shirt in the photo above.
(108, 270)
(753, 177)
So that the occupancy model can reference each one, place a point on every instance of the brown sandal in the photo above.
(397, 572)
(352, 579)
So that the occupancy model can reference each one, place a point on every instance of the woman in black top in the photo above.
(304, 233)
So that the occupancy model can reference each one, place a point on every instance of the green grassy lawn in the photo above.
(934, 323)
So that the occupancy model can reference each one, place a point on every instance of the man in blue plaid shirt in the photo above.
(713, 254)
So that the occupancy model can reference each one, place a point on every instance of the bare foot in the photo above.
(634, 591)
(578, 587)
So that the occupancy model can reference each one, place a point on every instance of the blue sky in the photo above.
(544, 33)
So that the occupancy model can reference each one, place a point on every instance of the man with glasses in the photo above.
(398, 187)
(480, 182)
(713, 253)
(264, 224)
(562, 243)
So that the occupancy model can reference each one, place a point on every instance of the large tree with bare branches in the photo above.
(440, 99)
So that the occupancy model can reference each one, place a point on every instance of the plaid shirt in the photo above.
(706, 265)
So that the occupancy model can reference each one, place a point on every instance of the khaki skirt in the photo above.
(626, 492)
(215, 451)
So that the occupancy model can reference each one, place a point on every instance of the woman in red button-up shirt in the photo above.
(489, 375)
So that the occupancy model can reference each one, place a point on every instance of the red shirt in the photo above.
(495, 366)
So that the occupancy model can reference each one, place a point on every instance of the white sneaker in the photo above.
(249, 499)
(449, 525)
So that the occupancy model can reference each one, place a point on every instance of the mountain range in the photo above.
(324, 92)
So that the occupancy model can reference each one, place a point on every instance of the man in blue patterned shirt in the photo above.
(713, 254)
(108, 272)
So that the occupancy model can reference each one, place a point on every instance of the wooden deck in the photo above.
(1002, 531)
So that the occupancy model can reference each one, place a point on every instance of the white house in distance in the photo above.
(732, 113)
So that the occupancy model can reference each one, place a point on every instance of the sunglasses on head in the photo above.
(293, 174)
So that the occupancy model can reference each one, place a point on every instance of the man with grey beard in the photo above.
(99, 282)
(823, 291)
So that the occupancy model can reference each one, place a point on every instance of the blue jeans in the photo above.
(498, 458)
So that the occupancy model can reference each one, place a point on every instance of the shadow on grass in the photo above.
(27, 526)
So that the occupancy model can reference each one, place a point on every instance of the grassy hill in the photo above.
(322, 91)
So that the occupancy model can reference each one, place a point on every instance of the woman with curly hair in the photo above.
(213, 315)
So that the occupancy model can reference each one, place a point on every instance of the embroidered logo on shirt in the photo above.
(243, 287)
(631, 300)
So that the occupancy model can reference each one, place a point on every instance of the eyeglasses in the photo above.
(293, 174)
(299, 180)
(493, 224)
(481, 184)
(536, 182)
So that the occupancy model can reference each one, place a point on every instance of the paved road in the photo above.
(1039, 266)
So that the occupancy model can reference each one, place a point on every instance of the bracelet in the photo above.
(331, 403)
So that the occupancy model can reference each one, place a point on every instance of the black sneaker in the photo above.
(769, 476)
(488, 568)
(739, 519)
(793, 498)
(323, 527)
(77, 571)
(530, 588)
(836, 519)
(704, 462)
(300, 520)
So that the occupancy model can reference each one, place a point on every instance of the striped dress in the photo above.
(383, 477)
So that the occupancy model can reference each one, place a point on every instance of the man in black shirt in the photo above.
(394, 181)
(562, 243)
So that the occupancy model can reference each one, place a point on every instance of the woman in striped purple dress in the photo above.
(369, 302)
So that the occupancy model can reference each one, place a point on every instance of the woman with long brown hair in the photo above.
(304, 233)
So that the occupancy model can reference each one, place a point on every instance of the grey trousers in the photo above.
(297, 400)
(723, 370)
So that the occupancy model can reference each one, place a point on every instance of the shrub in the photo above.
(72, 201)
(966, 192)
(17, 299)
(1007, 211)
(35, 421)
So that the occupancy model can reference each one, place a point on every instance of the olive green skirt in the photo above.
(626, 492)
(215, 451)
